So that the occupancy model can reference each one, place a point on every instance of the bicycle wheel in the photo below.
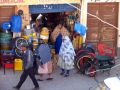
(81, 62)
(91, 71)
(18, 52)
(19, 42)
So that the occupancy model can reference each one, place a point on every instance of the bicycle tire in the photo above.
(19, 42)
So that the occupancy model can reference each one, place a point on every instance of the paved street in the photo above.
(74, 82)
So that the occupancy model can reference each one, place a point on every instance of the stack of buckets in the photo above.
(5, 40)
(35, 41)
(44, 34)
(5, 47)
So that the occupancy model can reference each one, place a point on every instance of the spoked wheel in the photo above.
(79, 61)
(19, 42)
(18, 52)
(83, 62)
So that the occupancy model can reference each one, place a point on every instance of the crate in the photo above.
(8, 65)
(18, 64)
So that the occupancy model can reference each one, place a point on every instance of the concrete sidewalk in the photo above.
(74, 82)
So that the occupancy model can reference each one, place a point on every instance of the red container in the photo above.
(9, 65)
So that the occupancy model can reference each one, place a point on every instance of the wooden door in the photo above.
(6, 12)
(93, 24)
(99, 31)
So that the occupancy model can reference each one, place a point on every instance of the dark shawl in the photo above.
(58, 43)
(44, 52)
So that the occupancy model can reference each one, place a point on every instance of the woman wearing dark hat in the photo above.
(28, 68)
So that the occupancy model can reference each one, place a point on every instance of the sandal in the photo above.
(49, 79)
(66, 75)
(62, 73)
(39, 80)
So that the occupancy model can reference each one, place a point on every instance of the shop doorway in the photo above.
(49, 20)
(54, 14)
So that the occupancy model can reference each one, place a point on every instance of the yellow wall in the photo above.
(35, 2)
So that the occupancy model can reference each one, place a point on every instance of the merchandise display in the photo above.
(18, 64)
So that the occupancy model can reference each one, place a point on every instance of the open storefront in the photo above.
(52, 13)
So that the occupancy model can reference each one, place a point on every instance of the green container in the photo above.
(5, 41)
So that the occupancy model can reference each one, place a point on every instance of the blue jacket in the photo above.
(16, 23)
(28, 59)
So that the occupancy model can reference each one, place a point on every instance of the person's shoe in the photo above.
(16, 88)
(62, 73)
(36, 88)
(40, 80)
(66, 75)
(49, 79)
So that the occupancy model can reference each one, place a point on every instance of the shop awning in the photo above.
(50, 8)
(35, 2)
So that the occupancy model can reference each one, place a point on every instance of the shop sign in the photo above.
(35, 2)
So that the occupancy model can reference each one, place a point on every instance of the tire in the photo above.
(80, 62)
(91, 71)
(18, 52)
(19, 42)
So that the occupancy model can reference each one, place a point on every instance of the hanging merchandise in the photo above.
(16, 23)
(35, 42)
(28, 32)
(44, 34)
(79, 28)
(6, 26)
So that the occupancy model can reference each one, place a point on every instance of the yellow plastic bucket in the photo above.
(18, 64)
(44, 34)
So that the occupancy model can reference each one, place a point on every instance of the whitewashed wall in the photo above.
(119, 32)
(119, 27)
